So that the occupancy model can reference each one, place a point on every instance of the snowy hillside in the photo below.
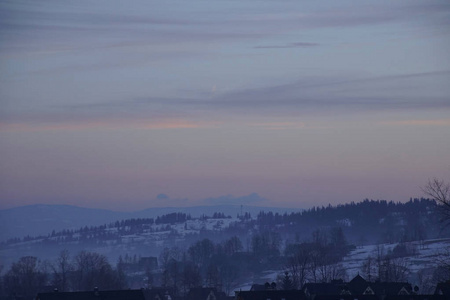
(34, 220)
(427, 255)
(133, 236)
(268, 237)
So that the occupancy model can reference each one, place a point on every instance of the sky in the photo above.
(127, 105)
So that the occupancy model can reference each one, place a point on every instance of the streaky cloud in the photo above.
(291, 45)
(279, 125)
(306, 96)
(111, 124)
(440, 122)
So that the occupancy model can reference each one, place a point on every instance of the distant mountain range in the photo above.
(41, 219)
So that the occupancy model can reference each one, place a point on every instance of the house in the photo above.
(202, 293)
(312, 289)
(258, 287)
(268, 291)
(347, 297)
(159, 293)
(93, 295)
(358, 286)
(263, 287)
(414, 297)
(270, 295)
(443, 288)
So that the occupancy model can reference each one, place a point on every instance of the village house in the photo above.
(96, 294)
(357, 286)
(270, 294)
(356, 289)
(443, 288)
(202, 293)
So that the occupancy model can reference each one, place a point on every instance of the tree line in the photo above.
(85, 270)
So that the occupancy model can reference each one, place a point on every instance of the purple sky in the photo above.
(108, 104)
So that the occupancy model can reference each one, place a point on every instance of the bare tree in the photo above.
(191, 276)
(24, 277)
(323, 266)
(443, 262)
(440, 274)
(169, 254)
(440, 192)
(298, 265)
(314, 265)
(212, 277)
(379, 256)
(425, 281)
(174, 270)
(61, 270)
(369, 268)
(384, 267)
(93, 270)
(329, 272)
(201, 252)
(149, 278)
(398, 269)
(232, 245)
(230, 274)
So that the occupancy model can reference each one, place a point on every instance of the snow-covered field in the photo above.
(154, 237)
(427, 254)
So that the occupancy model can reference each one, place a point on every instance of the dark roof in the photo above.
(416, 297)
(201, 293)
(357, 286)
(322, 288)
(358, 280)
(270, 294)
(257, 287)
(93, 295)
(158, 293)
(389, 288)
(346, 297)
(262, 287)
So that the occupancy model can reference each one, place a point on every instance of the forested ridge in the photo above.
(178, 251)
(372, 220)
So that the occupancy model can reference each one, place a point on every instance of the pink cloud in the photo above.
(101, 124)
